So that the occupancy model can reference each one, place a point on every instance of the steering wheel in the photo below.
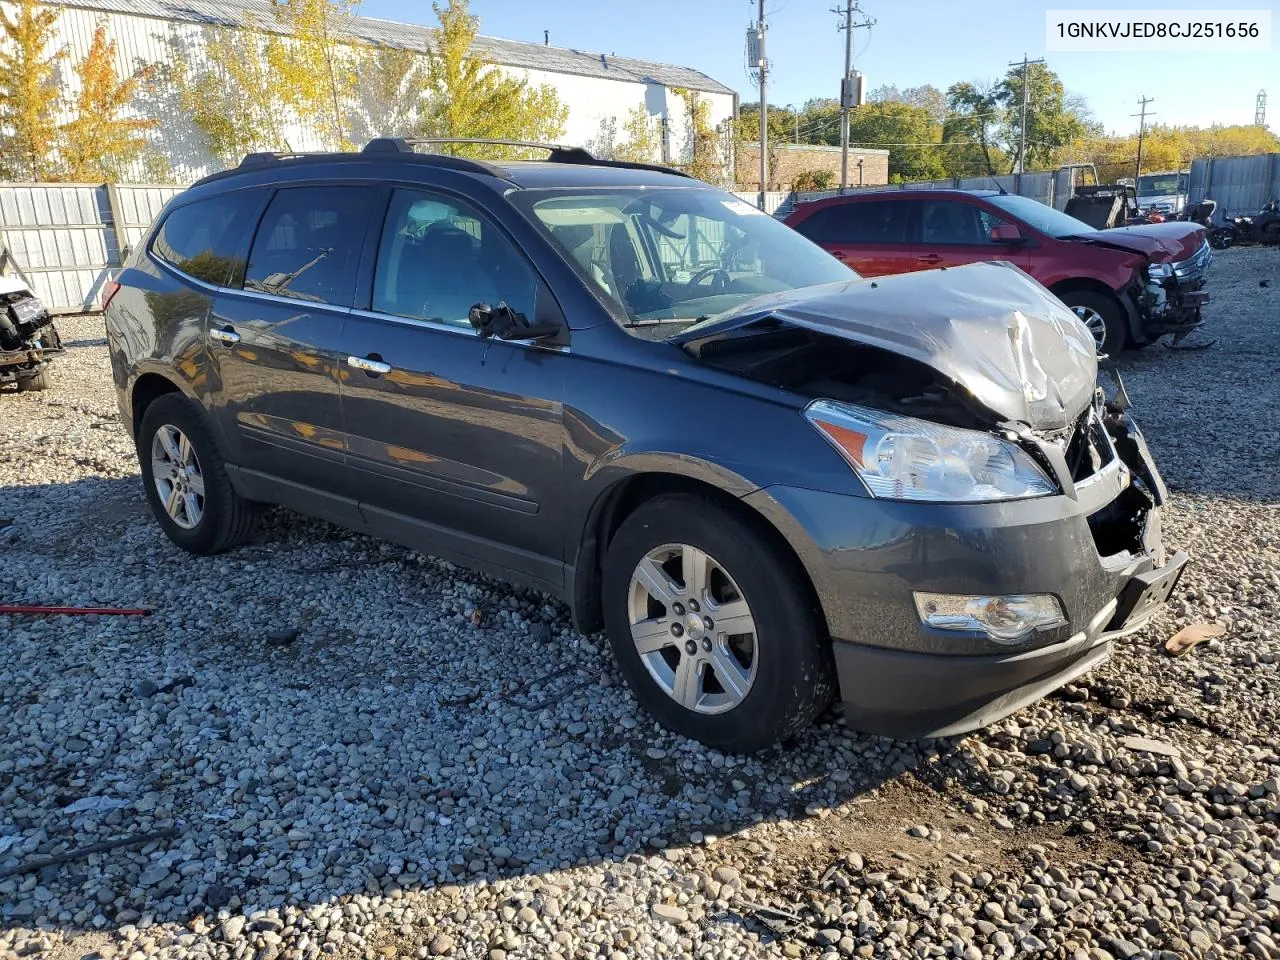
(719, 278)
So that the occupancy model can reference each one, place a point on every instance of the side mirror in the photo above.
(506, 324)
(1006, 233)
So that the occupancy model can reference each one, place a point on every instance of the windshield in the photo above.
(1162, 184)
(1044, 218)
(675, 255)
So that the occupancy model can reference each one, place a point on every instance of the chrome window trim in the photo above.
(456, 329)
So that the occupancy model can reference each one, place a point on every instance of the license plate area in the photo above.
(1147, 592)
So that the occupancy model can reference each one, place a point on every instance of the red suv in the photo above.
(1130, 285)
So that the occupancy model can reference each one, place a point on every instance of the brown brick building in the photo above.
(787, 160)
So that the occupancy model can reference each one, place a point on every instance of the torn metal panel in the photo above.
(986, 327)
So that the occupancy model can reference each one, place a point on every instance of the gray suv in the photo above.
(770, 481)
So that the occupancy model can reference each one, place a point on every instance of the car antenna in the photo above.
(999, 186)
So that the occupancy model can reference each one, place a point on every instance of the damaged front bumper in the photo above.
(1170, 304)
(31, 357)
(1097, 549)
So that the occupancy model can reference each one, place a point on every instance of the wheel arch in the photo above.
(1118, 297)
(146, 390)
(620, 499)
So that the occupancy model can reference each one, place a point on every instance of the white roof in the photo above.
(512, 53)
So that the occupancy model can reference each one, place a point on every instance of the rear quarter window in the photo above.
(880, 221)
(205, 239)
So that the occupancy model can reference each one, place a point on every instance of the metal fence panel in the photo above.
(1240, 185)
(69, 239)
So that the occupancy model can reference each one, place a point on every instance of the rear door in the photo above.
(275, 340)
(869, 235)
(454, 441)
(953, 232)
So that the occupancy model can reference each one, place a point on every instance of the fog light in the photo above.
(1008, 620)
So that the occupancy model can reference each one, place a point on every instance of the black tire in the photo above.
(795, 671)
(36, 381)
(1114, 321)
(227, 518)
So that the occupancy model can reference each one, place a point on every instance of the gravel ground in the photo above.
(350, 750)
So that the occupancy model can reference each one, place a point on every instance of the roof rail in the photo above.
(264, 157)
(556, 152)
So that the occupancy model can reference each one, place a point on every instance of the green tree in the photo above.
(101, 142)
(29, 94)
(315, 71)
(231, 94)
(908, 133)
(974, 117)
(466, 95)
(1053, 119)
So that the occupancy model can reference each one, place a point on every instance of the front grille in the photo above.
(1194, 264)
(1089, 449)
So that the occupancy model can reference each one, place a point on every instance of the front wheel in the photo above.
(713, 626)
(1102, 315)
(185, 479)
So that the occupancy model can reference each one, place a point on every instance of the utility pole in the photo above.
(1260, 110)
(846, 84)
(1022, 126)
(764, 113)
(1142, 132)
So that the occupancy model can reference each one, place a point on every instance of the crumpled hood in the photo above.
(987, 327)
(1173, 241)
(12, 285)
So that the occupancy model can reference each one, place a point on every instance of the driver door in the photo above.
(453, 442)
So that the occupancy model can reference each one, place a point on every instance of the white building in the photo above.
(600, 90)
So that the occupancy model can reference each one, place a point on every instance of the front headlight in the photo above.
(1160, 271)
(28, 309)
(901, 458)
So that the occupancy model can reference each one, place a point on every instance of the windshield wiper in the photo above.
(661, 320)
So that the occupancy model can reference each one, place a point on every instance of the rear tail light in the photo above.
(109, 293)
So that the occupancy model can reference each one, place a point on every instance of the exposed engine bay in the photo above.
(28, 337)
(992, 356)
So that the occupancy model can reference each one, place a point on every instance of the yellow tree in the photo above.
(314, 71)
(466, 95)
(101, 142)
(386, 104)
(229, 94)
(702, 146)
(29, 95)
(641, 145)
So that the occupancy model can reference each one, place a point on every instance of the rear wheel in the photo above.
(1103, 316)
(35, 381)
(185, 479)
(712, 627)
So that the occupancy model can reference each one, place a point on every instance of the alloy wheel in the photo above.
(693, 628)
(1093, 320)
(175, 470)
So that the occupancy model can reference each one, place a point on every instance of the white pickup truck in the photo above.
(28, 338)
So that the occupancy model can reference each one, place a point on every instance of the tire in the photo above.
(221, 518)
(37, 381)
(788, 660)
(1103, 315)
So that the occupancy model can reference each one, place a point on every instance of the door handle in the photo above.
(226, 335)
(930, 258)
(369, 365)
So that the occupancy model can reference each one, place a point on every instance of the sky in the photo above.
(913, 42)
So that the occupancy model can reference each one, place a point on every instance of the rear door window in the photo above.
(205, 239)
(308, 244)
(876, 221)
